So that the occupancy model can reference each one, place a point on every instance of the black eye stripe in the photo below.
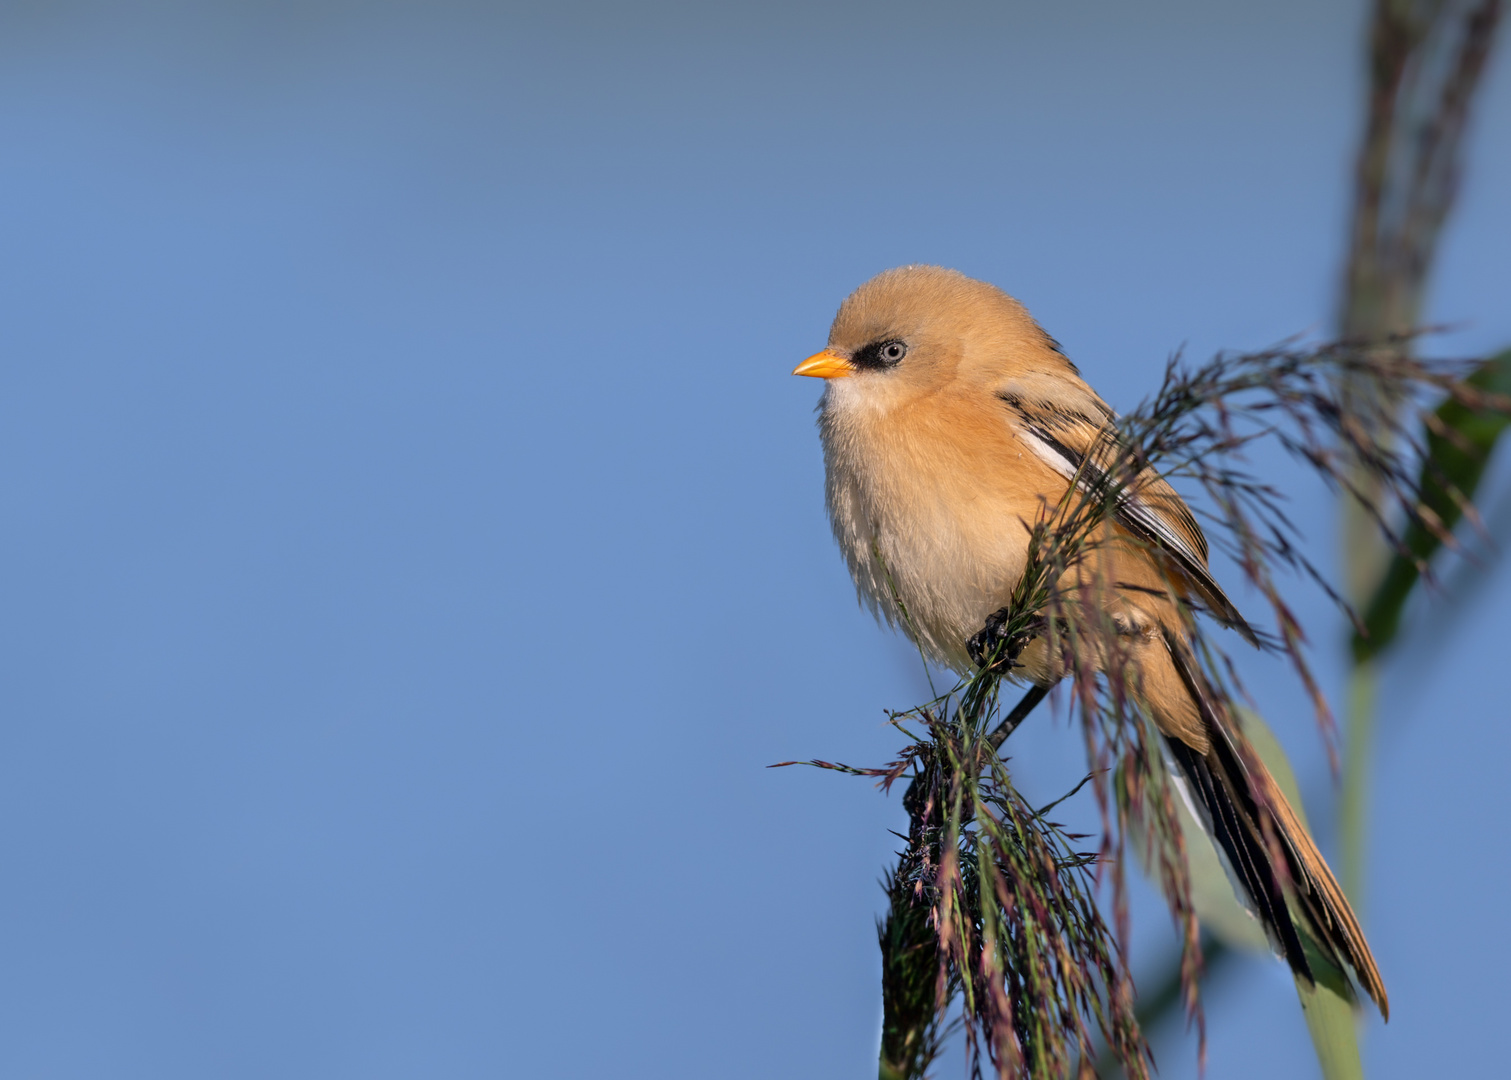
(880, 354)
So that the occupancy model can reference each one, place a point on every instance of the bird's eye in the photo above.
(880, 355)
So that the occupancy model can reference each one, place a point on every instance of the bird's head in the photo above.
(921, 330)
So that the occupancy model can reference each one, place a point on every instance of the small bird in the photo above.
(950, 421)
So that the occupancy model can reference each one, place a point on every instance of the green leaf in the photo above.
(1452, 465)
(1328, 1004)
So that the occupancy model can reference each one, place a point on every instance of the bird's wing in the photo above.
(1081, 448)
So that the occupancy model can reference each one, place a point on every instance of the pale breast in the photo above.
(931, 506)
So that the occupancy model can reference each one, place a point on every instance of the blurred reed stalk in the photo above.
(1425, 63)
(1426, 59)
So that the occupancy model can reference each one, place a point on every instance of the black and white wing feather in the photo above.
(1152, 511)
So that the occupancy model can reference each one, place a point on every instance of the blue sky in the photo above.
(416, 547)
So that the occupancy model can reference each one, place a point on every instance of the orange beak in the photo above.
(825, 365)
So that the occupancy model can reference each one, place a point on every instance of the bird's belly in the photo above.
(951, 560)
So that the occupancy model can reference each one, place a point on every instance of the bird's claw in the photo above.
(992, 647)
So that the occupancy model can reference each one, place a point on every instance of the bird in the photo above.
(950, 421)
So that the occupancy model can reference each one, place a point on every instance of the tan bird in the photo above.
(950, 420)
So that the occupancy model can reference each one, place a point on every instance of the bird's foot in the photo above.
(993, 648)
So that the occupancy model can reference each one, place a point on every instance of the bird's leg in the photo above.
(996, 652)
(1020, 712)
(993, 648)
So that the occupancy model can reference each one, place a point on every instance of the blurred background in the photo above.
(415, 550)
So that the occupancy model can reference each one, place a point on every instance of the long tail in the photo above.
(1251, 820)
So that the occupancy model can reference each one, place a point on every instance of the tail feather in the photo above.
(1246, 855)
(1253, 823)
